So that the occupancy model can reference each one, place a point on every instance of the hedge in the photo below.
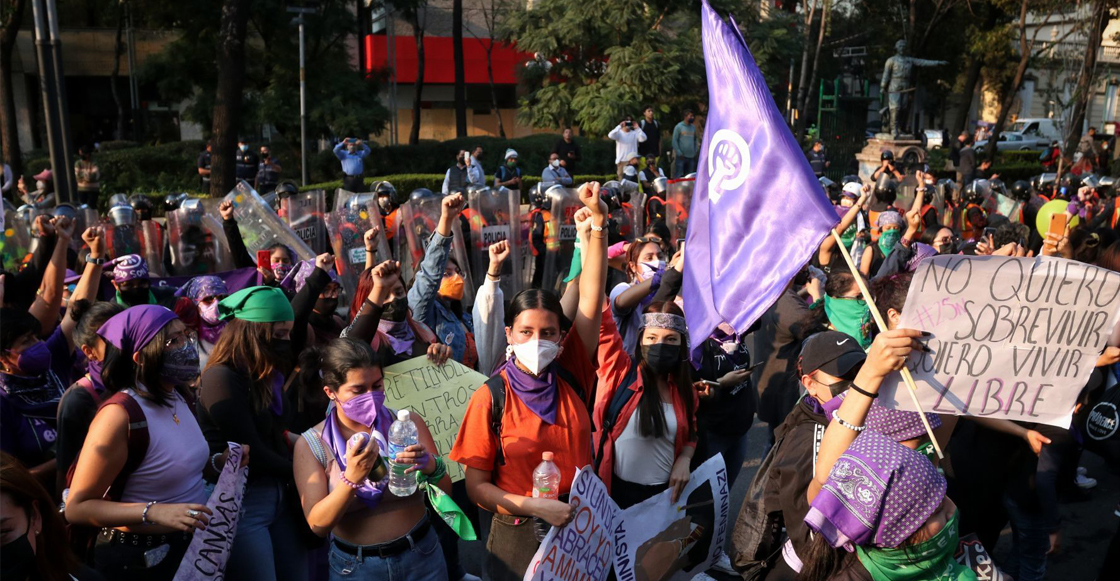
(408, 182)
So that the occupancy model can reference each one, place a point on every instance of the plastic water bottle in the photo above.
(546, 484)
(401, 436)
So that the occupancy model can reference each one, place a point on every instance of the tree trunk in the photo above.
(803, 80)
(494, 89)
(115, 76)
(9, 132)
(227, 102)
(972, 77)
(803, 119)
(460, 73)
(418, 34)
(1084, 91)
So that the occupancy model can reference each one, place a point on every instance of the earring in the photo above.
(509, 351)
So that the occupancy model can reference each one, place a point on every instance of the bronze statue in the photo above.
(897, 86)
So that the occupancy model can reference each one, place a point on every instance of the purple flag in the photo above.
(758, 212)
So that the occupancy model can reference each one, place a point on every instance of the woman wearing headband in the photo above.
(205, 292)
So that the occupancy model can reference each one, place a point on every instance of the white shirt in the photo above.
(647, 461)
(476, 176)
(626, 142)
(8, 181)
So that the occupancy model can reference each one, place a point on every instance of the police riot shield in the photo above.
(523, 234)
(260, 227)
(347, 226)
(196, 240)
(1006, 206)
(676, 208)
(559, 239)
(494, 215)
(907, 191)
(151, 247)
(86, 218)
(122, 239)
(304, 213)
(15, 239)
(419, 218)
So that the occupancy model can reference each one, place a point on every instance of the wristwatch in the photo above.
(95, 261)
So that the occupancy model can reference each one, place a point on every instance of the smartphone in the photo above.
(989, 232)
(680, 243)
(1057, 224)
(711, 383)
(264, 260)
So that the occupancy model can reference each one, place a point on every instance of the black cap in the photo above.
(835, 353)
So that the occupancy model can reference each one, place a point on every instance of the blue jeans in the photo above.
(423, 562)
(268, 544)
(734, 450)
(683, 166)
(1030, 541)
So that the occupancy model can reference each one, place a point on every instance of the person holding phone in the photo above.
(352, 153)
(626, 138)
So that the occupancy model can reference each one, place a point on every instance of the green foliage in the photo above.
(410, 182)
(533, 151)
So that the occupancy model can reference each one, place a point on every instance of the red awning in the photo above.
(439, 63)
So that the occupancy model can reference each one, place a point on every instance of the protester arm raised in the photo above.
(47, 305)
(594, 275)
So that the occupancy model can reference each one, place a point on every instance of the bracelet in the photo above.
(94, 261)
(438, 473)
(860, 390)
(144, 515)
(595, 228)
(342, 478)
(494, 276)
(214, 463)
(836, 416)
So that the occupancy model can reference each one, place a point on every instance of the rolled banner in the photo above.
(209, 550)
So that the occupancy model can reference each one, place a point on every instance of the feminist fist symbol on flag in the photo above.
(729, 162)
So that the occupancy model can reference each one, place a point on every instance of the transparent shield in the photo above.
(1006, 206)
(197, 242)
(305, 214)
(122, 240)
(151, 247)
(15, 240)
(86, 218)
(494, 215)
(559, 239)
(677, 204)
(347, 226)
(419, 219)
(260, 227)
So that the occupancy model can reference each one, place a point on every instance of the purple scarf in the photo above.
(368, 492)
(898, 425)
(132, 329)
(400, 335)
(878, 494)
(277, 404)
(537, 393)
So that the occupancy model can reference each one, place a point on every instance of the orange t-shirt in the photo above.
(525, 436)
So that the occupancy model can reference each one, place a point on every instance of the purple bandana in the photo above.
(921, 252)
(878, 494)
(133, 328)
(898, 425)
(129, 267)
(368, 492)
(537, 393)
(400, 335)
(297, 278)
(890, 217)
(201, 287)
(277, 403)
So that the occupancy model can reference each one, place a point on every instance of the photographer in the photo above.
(268, 172)
(627, 136)
(351, 151)
(887, 167)
(457, 177)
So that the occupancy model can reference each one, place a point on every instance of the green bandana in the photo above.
(932, 560)
(849, 236)
(846, 315)
(888, 239)
(120, 299)
(450, 512)
(256, 304)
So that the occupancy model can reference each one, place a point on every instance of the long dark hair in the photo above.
(1110, 257)
(821, 561)
(329, 365)
(53, 559)
(244, 347)
(119, 371)
(651, 416)
(535, 298)
(90, 316)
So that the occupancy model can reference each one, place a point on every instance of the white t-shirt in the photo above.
(647, 461)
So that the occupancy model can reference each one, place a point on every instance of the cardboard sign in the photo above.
(1012, 338)
(439, 393)
(209, 550)
(584, 548)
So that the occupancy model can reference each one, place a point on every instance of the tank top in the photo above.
(645, 459)
(177, 452)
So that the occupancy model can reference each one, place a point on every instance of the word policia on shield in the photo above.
(1013, 338)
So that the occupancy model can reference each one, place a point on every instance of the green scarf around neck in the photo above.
(931, 560)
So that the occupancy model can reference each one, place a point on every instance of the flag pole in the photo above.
(879, 322)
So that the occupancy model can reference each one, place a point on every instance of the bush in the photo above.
(406, 183)
(432, 157)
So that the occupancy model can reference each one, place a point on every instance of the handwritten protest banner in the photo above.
(584, 548)
(659, 539)
(439, 393)
(209, 549)
(1012, 338)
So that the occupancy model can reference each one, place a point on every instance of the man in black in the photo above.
(817, 159)
(268, 172)
(568, 150)
(204, 169)
(456, 179)
(652, 128)
(247, 163)
(966, 166)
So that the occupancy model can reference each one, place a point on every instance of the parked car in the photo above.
(1012, 141)
(1037, 127)
(934, 138)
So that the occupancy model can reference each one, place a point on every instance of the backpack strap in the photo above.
(497, 387)
(87, 384)
(621, 397)
(138, 440)
(315, 442)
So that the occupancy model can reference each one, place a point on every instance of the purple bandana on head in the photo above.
(133, 328)
(890, 217)
(878, 494)
(921, 252)
(201, 287)
(537, 393)
(71, 277)
(297, 278)
(898, 425)
(129, 267)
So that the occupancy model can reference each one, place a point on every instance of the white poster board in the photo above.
(583, 548)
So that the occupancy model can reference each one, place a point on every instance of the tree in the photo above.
(9, 135)
(490, 11)
(460, 73)
(227, 101)
(118, 49)
(809, 8)
(804, 92)
(1097, 22)
(416, 13)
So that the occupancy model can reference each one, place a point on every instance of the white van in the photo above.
(1039, 127)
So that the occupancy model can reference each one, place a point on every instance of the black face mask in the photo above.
(397, 310)
(663, 358)
(281, 349)
(17, 559)
(839, 387)
(135, 296)
(326, 307)
(945, 248)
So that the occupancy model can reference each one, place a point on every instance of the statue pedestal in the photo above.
(907, 151)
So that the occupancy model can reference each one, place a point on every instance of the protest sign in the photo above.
(659, 539)
(1012, 338)
(209, 549)
(584, 548)
(439, 393)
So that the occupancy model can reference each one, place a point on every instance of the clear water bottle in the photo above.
(401, 436)
(546, 484)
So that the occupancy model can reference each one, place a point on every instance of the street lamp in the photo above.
(298, 20)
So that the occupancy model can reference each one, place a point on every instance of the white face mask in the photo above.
(555, 163)
(40, 185)
(535, 355)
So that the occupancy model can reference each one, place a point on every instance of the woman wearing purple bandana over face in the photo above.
(205, 292)
(374, 534)
(317, 288)
(281, 258)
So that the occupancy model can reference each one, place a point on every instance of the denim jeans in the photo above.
(1030, 541)
(423, 562)
(734, 450)
(683, 166)
(268, 543)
